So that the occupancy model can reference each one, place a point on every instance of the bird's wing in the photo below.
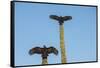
(36, 50)
(52, 50)
(67, 18)
(54, 17)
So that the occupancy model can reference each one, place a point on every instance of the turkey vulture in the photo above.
(60, 18)
(43, 51)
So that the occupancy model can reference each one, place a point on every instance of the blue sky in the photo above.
(33, 27)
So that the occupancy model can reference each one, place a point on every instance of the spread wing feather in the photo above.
(36, 50)
(67, 18)
(52, 50)
(54, 17)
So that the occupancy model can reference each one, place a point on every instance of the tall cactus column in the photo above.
(44, 61)
(62, 44)
(61, 20)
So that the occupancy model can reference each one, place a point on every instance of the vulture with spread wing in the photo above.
(60, 18)
(43, 51)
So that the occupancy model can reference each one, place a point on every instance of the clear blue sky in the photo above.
(33, 27)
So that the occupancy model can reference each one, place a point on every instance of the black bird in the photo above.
(60, 18)
(43, 51)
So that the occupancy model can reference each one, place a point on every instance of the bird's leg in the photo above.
(61, 22)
